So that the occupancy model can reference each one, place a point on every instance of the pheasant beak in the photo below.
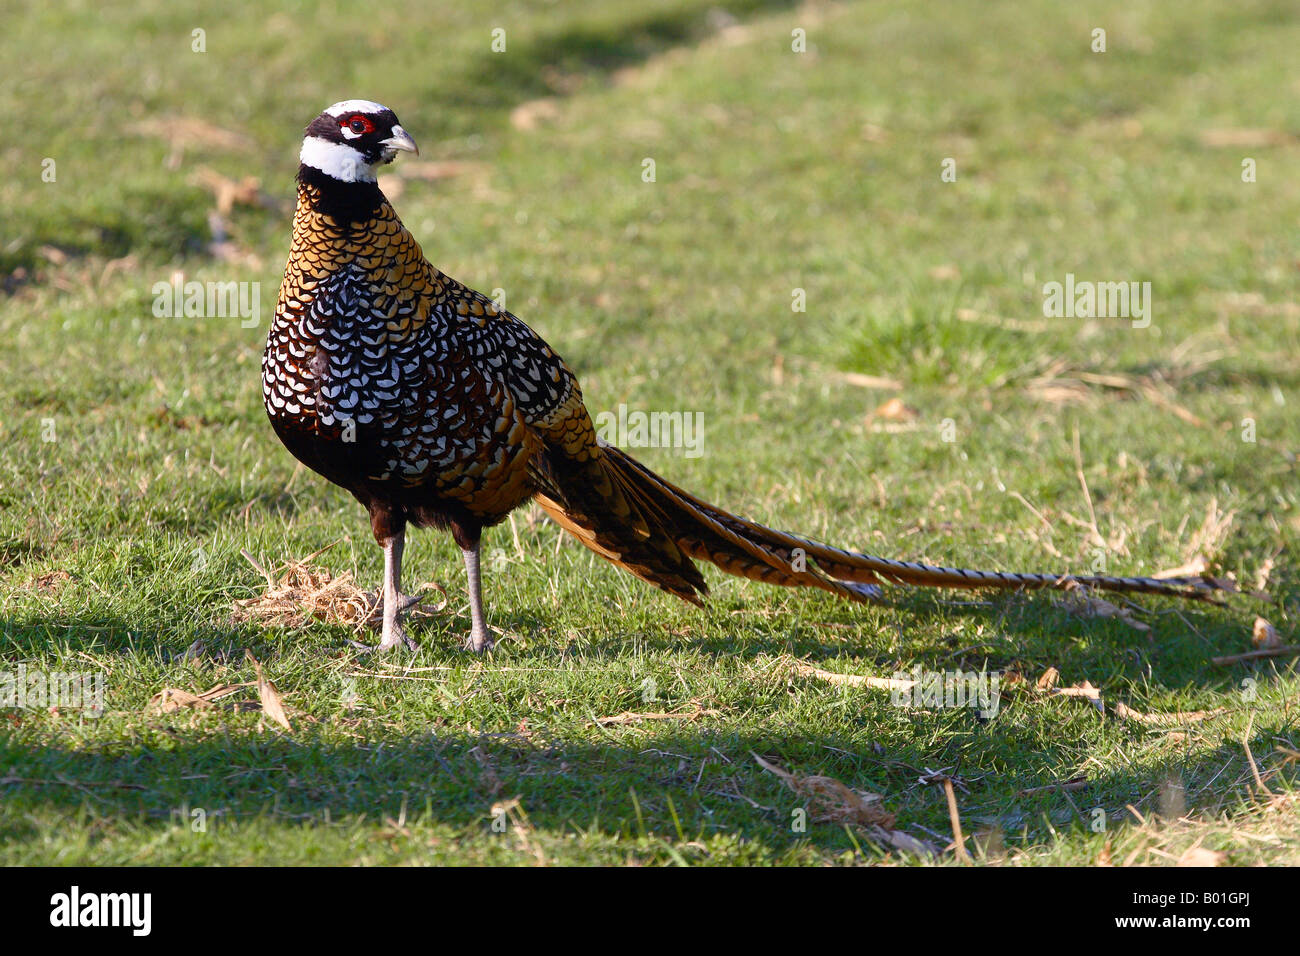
(401, 140)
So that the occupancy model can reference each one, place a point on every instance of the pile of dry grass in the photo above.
(298, 592)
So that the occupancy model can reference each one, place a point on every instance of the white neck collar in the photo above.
(338, 160)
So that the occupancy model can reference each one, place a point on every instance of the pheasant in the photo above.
(435, 408)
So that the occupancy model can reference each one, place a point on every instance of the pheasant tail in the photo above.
(657, 531)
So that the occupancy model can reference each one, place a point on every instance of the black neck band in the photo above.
(343, 202)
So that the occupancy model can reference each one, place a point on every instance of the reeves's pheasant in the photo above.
(435, 408)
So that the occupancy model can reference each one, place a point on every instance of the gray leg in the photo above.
(480, 639)
(394, 600)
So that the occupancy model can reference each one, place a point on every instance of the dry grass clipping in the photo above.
(299, 592)
(1081, 601)
(171, 699)
(830, 801)
(804, 669)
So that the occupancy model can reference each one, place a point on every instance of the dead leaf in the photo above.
(1048, 680)
(1265, 635)
(272, 704)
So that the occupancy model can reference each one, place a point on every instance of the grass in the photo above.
(120, 538)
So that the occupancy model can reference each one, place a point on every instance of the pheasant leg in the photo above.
(395, 601)
(480, 639)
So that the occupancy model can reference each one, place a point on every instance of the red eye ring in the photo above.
(358, 124)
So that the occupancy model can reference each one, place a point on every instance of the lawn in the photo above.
(863, 336)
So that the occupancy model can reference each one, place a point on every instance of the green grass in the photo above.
(776, 171)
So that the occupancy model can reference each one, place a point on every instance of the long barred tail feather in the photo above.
(656, 531)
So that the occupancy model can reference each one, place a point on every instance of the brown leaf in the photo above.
(272, 704)
(1265, 635)
(1048, 680)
